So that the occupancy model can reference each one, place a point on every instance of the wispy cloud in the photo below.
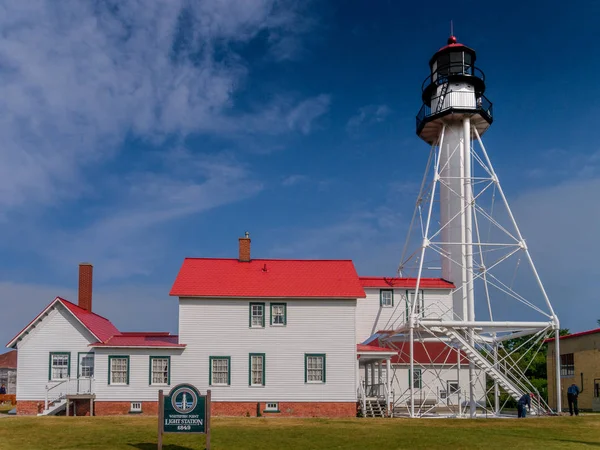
(367, 115)
(293, 180)
(80, 77)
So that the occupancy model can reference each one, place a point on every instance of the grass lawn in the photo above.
(133, 433)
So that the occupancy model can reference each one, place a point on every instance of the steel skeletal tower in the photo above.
(467, 229)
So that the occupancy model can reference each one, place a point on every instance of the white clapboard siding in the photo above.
(59, 331)
(371, 317)
(435, 379)
(139, 388)
(438, 304)
(220, 327)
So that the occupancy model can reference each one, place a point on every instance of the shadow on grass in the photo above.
(148, 446)
(573, 441)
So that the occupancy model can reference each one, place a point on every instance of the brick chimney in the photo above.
(85, 286)
(245, 248)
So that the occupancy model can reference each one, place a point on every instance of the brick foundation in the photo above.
(286, 409)
(243, 409)
(119, 408)
(29, 407)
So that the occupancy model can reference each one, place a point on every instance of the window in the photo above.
(86, 365)
(314, 368)
(416, 383)
(257, 315)
(257, 369)
(443, 395)
(220, 371)
(136, 407)
(272, 407)
(118, 368)
(420, 305)
(597, 388)
(453, 387)
(567, 365)
(160, 370)
(278, 314)
(60, 366)
(386, 297)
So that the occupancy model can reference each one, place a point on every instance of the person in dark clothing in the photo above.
(3, 390)
(525, 400)
(572, 394)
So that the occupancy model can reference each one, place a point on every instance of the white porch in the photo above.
(374, 391)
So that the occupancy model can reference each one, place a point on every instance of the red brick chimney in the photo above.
(85, 286)
(245, 248)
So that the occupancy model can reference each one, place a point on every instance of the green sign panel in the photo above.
(183, 410)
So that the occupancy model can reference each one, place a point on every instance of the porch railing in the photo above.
(58, 390)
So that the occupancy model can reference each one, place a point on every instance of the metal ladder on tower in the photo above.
(441, 98)
(512, 388)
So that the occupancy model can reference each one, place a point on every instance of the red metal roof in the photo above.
(434, 352)
(213, 277)
(134, 339)
(581, 333)
(99, 326)
(8, 360)
(410, 283)
(372, 348)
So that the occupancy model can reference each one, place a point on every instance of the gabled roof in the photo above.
(8, 360)
(409, 283)
(265, 278)
(581, 333)
(141, 339)
(100, 327)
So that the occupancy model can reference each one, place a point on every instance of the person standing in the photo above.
(572, 394)
(525, 400)
(2, 389)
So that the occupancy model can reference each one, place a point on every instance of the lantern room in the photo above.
(454, 86)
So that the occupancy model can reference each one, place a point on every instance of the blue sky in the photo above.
(138, 133)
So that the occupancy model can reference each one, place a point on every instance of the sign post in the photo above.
(183, 410)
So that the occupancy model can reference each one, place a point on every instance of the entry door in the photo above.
(85, 373)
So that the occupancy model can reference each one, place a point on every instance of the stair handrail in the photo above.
(362, 396)
(48, 389)
(518, 384)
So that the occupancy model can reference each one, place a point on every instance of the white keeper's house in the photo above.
(266, 336)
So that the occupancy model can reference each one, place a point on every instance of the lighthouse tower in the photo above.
(453, 103)
(465, 225)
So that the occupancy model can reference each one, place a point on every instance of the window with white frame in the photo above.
(314, 368)
(419, 303)
(257, 369)
(86, 365)
(386, 297)
(220, 370)
(136, 407)
(278, 314)
(257, 315)
(119, 369)
(60, 365)
(416, 380)
(453, 387)
(160, 369)
(272, 407)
